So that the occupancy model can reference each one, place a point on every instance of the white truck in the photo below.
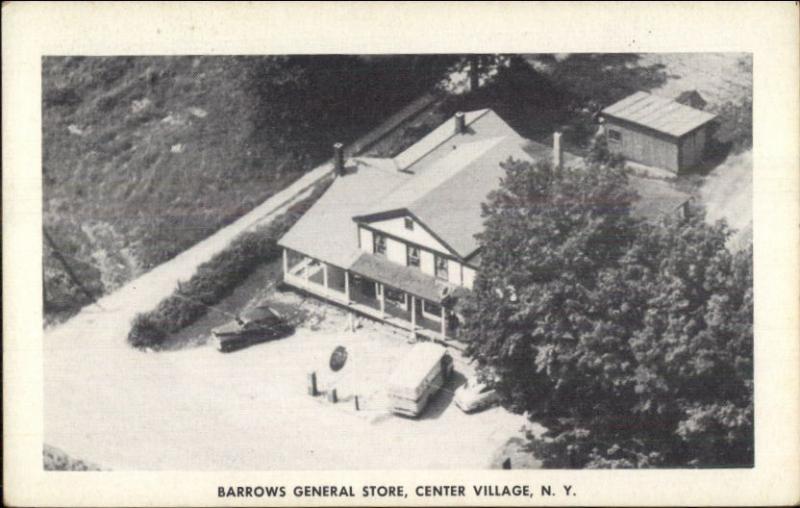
(418, 377)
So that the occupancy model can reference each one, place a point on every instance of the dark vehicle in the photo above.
(260, 324)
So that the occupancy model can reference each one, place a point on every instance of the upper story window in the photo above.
(441, 267)
(409, 223)
(412, 256)
(379, 244)
(614, 135)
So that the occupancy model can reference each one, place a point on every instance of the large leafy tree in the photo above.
(630, 340)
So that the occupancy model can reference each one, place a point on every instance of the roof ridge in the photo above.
(480, 115)
(489, 144)
(659, 113)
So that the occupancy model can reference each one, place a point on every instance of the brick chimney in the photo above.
(558, 150)
(338, 159)
(461, 123)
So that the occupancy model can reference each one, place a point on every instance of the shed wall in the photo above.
(692, 148)
(640, 146)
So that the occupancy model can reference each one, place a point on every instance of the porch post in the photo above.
(307, 271)
(383, 301)
(285, 263)
(325, 275)
(413, 315)
(350, 322)
(444, 322)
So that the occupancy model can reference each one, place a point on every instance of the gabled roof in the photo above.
(442, 179)
(658, 113)
(453, 207)
(482, 120)
(453, 179)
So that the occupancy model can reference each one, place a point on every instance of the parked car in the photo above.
(260, 324)
(474, 396)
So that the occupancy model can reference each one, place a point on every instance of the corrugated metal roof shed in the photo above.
(658, 113)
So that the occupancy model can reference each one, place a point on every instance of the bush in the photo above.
(216, 278)
(735, 125)
(145, 332)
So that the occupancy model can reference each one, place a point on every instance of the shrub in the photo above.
(736, 125)
(145, 332)
(216, 278)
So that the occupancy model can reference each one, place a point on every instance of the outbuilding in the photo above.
(657, 131)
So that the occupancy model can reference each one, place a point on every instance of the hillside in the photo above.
(145, 156)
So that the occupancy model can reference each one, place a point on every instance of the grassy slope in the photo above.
(142, 158)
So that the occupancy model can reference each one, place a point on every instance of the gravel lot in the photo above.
(197, 409)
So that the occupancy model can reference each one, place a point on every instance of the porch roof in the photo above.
(401, 277)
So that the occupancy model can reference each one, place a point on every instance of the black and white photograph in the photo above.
(361, 261)
(400, 254)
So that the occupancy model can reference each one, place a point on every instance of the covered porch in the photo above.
(368, 292)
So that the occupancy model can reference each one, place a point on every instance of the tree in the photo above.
(631, 341)
(306, 103)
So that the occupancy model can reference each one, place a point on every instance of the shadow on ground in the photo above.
(198, 333)
(441, 401)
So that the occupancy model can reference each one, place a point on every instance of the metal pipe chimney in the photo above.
(338, 159)
(558, 150)
(461, 123)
